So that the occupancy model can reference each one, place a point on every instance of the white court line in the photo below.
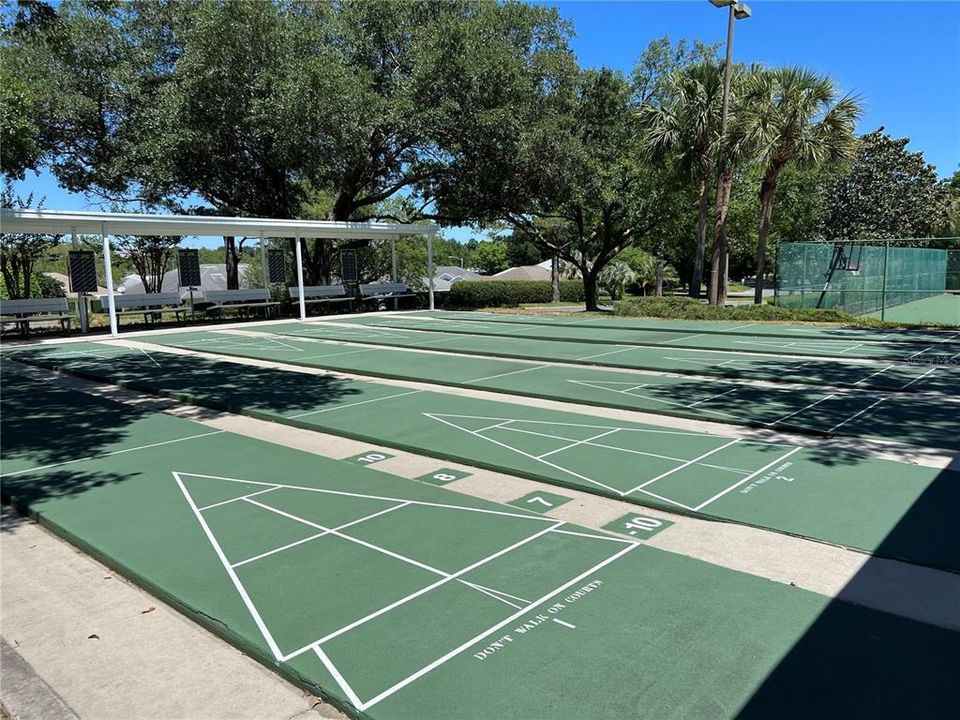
(527, 455)
(685, 337)
(418, 593)
(919, 377)
(354, 404)
(456, 651)
(525, 516)
(713, 397)
(499, 592)
(512, 372)
(593, 537)
(233, 500)
(611, 352)
(565, 624)
(251, 608)
(738, 327)
(341, 681)
(151, 358)
(338, 354)
(748, 478)
(797, 412)
(115, 452)
(626, 450)
(569, 424)
(574, 444)
(317, 535)
(878, 372)
(490, 593)
(358, 541)
(688, 463)
(858, 414)
(919, 352)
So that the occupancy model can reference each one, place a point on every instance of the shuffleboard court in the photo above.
(724, 327)
(929, 374)
(910, 418)
(397, 599)
(895, 350)
(885, 507)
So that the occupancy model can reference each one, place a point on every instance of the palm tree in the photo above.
(789, 116)
(687, 129)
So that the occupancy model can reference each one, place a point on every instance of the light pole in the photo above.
(457, 257)
(718, 284)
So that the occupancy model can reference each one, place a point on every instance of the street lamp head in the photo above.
(741, 11)
(723, 3)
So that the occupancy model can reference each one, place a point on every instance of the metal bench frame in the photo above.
(150, 305)
(321, 295)
(241, 301)
(385, 291)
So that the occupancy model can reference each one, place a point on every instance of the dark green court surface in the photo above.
(540, 502)
(638, 526)
(889, 508)
(897, 350)
(937, 372)
(924, 420)
(397, 599)
(722, 327)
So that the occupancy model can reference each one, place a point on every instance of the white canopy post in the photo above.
(303, 301)
(430, 267)
(263, 265)
(108, 277)
(393, 267)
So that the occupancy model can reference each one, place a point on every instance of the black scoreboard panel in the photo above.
(276, 267)
(348, 266)
(82, 266)
(189, 262)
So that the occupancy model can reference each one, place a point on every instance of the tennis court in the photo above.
(832, 495)
(906, 417)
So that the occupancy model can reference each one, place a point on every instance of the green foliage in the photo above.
(509, 293)
(689, 309)
(888, 192)
(490, 257)
(616, 277)
(19, 252)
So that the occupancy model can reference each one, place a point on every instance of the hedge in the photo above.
(510, 293)
(690, 309)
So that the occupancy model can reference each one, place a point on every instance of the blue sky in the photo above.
(902, 58)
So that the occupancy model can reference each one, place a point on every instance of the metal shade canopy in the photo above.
(67, 221)
(63, 222)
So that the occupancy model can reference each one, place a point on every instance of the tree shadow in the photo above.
(854, 661)
(222, 385)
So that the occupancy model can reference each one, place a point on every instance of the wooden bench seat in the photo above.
(22, 313)
(239, 301)
(320, 294)
(150, 305)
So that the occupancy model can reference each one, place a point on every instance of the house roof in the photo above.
(212, 277)
(524, 272)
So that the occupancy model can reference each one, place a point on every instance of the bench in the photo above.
(241, 301)
(23, 312)
(150, 305)
(385, 291)
(320, 294)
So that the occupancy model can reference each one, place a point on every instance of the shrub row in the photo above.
(690, 309)
(509, 293)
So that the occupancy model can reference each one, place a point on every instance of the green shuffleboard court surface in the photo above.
(907, 417)
(944, 309)
(895, 350)
(398, 599)
(722, 327)
(938, 373)
(888, 508)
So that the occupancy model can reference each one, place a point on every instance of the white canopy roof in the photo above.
(68, 221)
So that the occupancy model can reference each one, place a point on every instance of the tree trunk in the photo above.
(232, 262)
(555, 278)
(717, 294)
(703, 203)
(767, 189)
(590, 289)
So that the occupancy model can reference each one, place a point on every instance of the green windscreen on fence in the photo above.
(877, 279)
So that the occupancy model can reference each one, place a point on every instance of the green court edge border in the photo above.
(413, 450)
